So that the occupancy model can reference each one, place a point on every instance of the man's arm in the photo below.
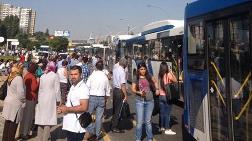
(83, 107)
(123, 87)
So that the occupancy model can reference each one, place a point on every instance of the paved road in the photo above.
(129, 125)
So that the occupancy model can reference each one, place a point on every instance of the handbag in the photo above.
(171, 90)
(124, 111)
(3, 90)
(85, 118)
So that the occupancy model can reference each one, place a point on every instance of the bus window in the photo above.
(240, 81)
(196, 47)
(217, 75)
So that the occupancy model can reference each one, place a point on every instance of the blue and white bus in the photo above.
(217, 57)
(159, 41)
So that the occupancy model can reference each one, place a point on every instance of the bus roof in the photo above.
(172, 32)
(161, 26)
(201, 7)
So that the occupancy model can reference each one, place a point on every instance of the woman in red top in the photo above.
(22, 58)
(31, 84)
(165, 77)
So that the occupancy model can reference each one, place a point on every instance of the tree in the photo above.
(11, 24)
(47, 32)
(42, 38)
(59, 44)
(3, 32)
(24, 41)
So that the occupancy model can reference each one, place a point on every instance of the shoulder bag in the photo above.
(3, 89)
(171, 90)
(85, 118)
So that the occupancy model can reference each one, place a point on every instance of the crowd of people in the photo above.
(38, 92)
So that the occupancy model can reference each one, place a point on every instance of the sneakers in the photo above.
(161, 129)
(169, 132)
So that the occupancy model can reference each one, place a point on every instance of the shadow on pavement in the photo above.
(58, 133)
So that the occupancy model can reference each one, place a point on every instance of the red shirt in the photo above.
(31, 85)
(22, 58)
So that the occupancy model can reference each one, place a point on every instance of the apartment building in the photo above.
(26, 16)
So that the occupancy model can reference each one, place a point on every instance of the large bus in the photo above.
(217, 57)
(159, 41)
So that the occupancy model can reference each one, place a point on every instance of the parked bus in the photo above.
(159, 41)
(217, 57)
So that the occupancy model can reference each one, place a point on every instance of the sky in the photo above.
(100, 18)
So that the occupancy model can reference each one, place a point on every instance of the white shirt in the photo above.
(98, 84)
(76, 93)
(2, 66)
(94, 61)
(79, 64)
(119, 77)
(105, 71)
(62, 77)
(116, 65)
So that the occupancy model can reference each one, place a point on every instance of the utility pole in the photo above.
(128, 26)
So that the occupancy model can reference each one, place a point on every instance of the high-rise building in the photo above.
(32, 22)
(26, 16)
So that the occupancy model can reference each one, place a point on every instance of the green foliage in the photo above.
(3, 32)
(47, 32)
(5, 58)
(59, 44)
(9, 28)
(11, 24)
(24, 41)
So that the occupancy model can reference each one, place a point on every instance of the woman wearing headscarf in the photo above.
(13, 103)
(48, 96)
(31, 85)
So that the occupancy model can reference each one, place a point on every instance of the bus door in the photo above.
(230, 86)
(240, 76)
(197, 83)
(216, 67)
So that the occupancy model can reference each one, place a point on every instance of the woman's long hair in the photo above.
(147, 76)
(163, 69)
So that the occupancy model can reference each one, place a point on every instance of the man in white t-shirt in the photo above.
(119, 93)
(77, 103)
(99, 87)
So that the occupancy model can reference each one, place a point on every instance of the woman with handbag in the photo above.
(144, 86)
(165, 77)
(13, 103)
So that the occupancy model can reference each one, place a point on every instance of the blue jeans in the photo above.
(143, 114)
(96, 104)
(165, 111)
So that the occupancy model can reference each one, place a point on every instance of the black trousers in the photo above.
(117, 102)
(71, 136)
(9, 131)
